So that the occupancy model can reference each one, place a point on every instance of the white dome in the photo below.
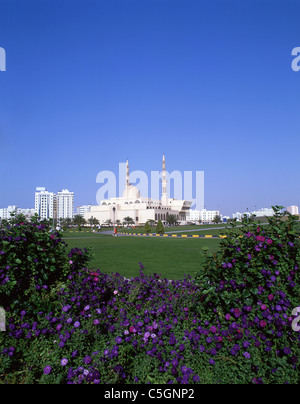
(131, 192)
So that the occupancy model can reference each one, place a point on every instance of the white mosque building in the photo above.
(139, 208)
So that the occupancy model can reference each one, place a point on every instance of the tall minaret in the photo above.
(127, 174)
(164, 181)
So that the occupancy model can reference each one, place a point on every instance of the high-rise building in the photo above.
(44, 204)
(65, 204)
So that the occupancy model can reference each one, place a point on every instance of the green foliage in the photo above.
(252, 282)
(32, 261)
(147, 228)
(160, 228)
(233, 325)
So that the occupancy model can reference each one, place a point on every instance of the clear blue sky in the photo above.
(90, 83)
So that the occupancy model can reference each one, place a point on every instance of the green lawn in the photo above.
(170, 257)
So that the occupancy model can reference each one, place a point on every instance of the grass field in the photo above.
(170, 257)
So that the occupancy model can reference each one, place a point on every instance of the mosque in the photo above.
(139, 208)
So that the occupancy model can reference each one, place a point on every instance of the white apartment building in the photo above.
(65, 204)
(206, 216)
(293, 210)
(81, 210)
(45, 203)
(258, 213)
(5, 213)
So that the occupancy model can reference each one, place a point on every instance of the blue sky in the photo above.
(90, 83)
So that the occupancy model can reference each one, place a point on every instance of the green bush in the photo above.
(251, 285)
(32, 261)
(160, 228)
(234, 324)
(147, 228)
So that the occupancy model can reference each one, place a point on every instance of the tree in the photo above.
(160, 228)
(108, 222)
(147, 228)
(79, 221)
(128, 220)
(217, 219)
(171, 219)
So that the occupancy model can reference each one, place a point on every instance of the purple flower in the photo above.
(64, 362)
(118, 340)
(247, 355)
(87, 360)
(47, 370)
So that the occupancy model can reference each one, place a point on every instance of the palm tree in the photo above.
(79, 221)
(128, 220)
(171, 219)
(108, 222)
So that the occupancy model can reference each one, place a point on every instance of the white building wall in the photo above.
(44, 203)
(206, 216)
(294, 210)
(65, 204)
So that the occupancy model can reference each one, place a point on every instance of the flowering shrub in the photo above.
(231, 325)
(32, 262)
(251, 287)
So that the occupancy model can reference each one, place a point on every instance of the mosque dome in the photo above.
(131, 192)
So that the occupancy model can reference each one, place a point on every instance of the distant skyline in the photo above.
(90, 83)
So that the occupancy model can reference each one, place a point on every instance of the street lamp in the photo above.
(114, 215)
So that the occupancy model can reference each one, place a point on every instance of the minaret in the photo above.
(127, 174)
(164, 181)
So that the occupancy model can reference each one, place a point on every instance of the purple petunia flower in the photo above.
(47, 370)
(64, 362)
(87, 360)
